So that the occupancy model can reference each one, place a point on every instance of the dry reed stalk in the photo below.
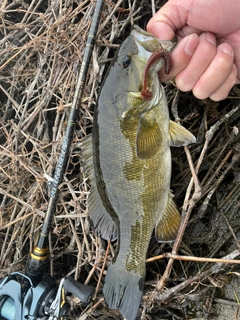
(41, 45)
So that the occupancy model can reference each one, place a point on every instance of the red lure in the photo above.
(157, 54)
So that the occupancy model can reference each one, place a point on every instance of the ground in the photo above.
(42, 45)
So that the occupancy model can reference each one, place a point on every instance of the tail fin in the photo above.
(123, 290)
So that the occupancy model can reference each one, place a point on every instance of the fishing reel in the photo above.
(21, 300)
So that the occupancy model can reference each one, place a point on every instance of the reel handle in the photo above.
(82, 291)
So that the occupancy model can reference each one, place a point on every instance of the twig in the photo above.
(187, 258)
(165, 296)
(102, 270)
(153, 7)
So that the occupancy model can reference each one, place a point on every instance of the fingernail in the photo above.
(211, 38)
(191, 44)
(227, 49)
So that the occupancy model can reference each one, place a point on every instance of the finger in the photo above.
(200, 61)
(173, 18)
(167, 20)
(181, 56)
(223, 91)
(161, 26)
(160, 30)
(220, 75)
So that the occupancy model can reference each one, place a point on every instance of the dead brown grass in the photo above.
(41, 49)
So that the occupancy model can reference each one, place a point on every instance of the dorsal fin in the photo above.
(103, 222)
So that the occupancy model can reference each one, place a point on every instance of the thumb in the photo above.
(171, 17)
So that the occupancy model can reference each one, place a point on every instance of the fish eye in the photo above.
(125, 62)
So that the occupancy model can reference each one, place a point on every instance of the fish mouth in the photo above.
(143, 41)
(147, 43)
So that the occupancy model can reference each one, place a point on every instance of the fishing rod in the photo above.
(29, 295)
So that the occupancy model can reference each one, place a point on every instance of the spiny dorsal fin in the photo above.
(179, 136)
(167, 227)
(148, 140)
(103, 222)
(86, 152)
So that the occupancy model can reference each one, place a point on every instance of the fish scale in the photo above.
(129, 159)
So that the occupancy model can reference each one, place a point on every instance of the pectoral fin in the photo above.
(148, 139)
(167, 227)
(179, 136)
(103, 222)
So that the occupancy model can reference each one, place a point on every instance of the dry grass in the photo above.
(41, 45)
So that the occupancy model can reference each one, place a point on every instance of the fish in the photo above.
(128, 161)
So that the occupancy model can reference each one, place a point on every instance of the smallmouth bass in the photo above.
(128, 161)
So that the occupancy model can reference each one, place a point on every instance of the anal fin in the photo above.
(167, 227)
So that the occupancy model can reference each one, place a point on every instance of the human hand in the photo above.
(207, 57)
